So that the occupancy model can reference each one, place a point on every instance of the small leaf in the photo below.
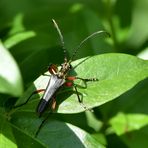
(10, 77)
(17, 38)
(17, 24)
(123, 123)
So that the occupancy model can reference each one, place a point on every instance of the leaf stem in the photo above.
(109, 13)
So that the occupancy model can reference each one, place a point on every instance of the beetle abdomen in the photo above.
(42, 106)
(53, 85)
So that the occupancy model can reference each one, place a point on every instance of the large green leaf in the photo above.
(8, 138)
(10, 77)
(54, 133)
(117, 73)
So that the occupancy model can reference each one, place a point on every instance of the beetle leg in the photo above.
(80, 100)
(72, 78)
(86, 80)
(35, 92)
(53, 104)
(69, 84)
(43, 121)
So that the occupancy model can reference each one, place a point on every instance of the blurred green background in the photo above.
(27, 32)
(125, 20)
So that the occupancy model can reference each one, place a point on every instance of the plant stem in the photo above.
(109, 10)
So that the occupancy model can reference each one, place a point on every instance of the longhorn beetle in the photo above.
(60, 77)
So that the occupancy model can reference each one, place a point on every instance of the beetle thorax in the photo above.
(65, 67)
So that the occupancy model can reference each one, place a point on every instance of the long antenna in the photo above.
(61, 38)
(83, 41)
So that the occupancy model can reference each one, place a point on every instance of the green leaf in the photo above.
(133, 122)
(132, 128)
(139, 21)
(10, 77)
(123, 123)
(17, 38)
(101, 137)
(54, 133)
(17, 24)
(117, 73)
(12, 136)
(138, 138)
(6, 137)
(143, 54)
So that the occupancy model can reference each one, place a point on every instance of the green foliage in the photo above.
(10, 77)
(29, 43)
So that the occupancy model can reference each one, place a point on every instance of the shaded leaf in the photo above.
(54, 133)
(132, 129)
(6, 137)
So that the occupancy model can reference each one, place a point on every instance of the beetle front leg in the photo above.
(85, 80)
(53, 106)
(72, 78)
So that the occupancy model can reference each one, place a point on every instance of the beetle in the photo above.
(60, 77)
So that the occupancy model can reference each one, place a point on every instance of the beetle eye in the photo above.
(53, 69)
(70, 66)
(62, 65)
